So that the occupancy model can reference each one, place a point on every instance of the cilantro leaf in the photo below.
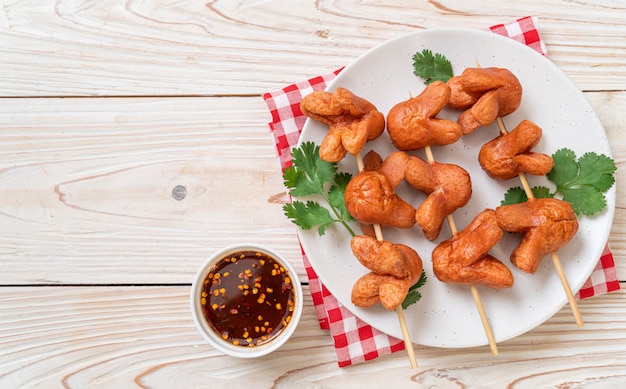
(514, 195)
(518, 194)
(584, 199)
(336, 195)
(298, 182)
(541, 192)
(431, 67)
(565, 167)
(597, 171)
(308, 215)
(310, 175)
(581, 182)
(308, 172)
(414, 295)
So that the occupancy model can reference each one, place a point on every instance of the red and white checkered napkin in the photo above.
(355, 341)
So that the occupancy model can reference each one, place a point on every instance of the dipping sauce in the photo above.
(248, 298)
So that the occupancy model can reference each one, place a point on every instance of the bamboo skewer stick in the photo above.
(555, 258)
(408, 344)
(477, 300)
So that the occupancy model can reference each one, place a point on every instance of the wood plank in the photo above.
(112, 48)
(610, 109)
(86, 186)
(76, 337)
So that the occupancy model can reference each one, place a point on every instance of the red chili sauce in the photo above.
(248, 298)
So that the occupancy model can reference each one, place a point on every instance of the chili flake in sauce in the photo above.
(248, 298)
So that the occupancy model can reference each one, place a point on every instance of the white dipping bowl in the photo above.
(274, 339)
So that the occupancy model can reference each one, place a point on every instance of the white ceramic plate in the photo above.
(446, 316)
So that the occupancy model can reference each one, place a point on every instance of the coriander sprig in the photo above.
(581, 182)
(310, 175)
(431, 67)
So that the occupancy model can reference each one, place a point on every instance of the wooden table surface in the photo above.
(107, 106)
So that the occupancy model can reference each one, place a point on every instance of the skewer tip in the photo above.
(408, 345)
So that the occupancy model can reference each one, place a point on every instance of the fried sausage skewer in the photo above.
(412, 125)
(507, 155)
(394, 269)
(548, 224)
(477, 300)
(464, 258)
(555, 257)
(408, 345)
(352, 121)
(485, 94)
(444, 90)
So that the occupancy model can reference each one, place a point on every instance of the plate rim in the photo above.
(611, 193)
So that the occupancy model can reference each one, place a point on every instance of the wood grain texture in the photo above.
(107, 106)
(87, 186)
(103, 337)
(611, 109)
(130, 47)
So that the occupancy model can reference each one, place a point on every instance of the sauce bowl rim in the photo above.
(211, 336)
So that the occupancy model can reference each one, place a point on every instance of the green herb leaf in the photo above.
(514, 195)
(414, 295)
(584, 199)
(310, 175)
(336, 195)
(518, 194)
(565, 167)
(541, 192)
(581, 182)
(597, 171)
(308, 215)
(308, 172)
(431, 67)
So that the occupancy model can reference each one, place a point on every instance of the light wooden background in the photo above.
(106, 106)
